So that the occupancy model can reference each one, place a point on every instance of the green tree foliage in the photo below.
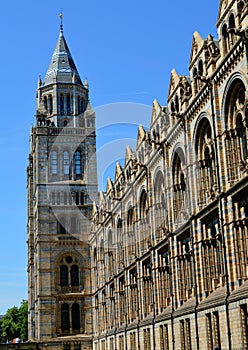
(14, 323)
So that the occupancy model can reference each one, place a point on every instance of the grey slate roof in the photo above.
(62, 65)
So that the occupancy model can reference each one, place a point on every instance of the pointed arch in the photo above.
(205, 156)
(235, 106)
(143, 205)
(179, 185)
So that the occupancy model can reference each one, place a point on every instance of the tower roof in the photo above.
(62, 67)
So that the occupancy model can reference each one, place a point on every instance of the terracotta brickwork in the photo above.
(169, 236)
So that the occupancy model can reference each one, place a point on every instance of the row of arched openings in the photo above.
(69, 166)
(65, 104)
(69, 272)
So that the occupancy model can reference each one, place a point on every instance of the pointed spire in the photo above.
(61, 21)
(62, 65)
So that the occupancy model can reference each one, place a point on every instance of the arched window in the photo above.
(195, 81)
(77, 163)
(224, 39)
(143, 205)
(61, 104)
(66, 163)
(54, 162)
(231, 30)
(206, 160)
(75, 313)
(68, 104)
(69, 273)
(130, 239)
(120, 255)
(236, 130)
(144, 232)
(63, 276)
(50, 104)
(74, 276)
(179, 186)
(45, 103)
(241, 137)
(110, 253)
(159, 206)
(65, 318)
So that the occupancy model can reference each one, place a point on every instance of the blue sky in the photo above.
(126, 49)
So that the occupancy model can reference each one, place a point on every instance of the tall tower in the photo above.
(62, 184)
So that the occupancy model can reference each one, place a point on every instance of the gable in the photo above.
(197, 44)
(174, 82)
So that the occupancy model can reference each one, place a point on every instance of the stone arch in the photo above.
(159, 187)
(235, 110)
(178, 184)
(206, 165)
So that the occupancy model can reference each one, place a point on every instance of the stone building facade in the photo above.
(62, 184)
(163, 261)
(169, 243)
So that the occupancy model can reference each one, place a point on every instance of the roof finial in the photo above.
(61, 21)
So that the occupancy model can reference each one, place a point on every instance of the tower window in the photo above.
(77, 163)
(61, 104)
(74, 276)
(69, 272)
(65, 318)
(75, 317)
(50, 104)
(63, 276)
(68, 104)
(66, 164)
(54, 162)
(45, 103)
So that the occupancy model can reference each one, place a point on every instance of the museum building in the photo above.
(160, 259)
